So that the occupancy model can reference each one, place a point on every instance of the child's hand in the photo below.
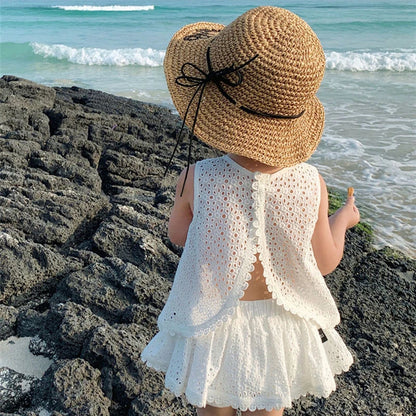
(348, 214)
(351, 212)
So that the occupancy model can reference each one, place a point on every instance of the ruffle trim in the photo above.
(261, 404)
(218, 398)
(227, 400)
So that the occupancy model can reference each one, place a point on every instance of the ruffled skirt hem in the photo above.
(264, 357)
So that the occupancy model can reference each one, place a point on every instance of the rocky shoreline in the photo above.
(85, 264)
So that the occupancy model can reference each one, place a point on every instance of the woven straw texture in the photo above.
(283, 80)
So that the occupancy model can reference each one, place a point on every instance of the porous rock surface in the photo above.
(86, 266)
(15, 389)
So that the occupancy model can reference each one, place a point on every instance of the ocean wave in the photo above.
(353, 61)
(97, 56)
(371, 61)
(114, 8)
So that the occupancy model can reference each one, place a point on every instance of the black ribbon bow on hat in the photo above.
(200, 82)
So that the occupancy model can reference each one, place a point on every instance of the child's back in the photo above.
(240, 216)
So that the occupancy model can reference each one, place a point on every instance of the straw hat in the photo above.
(249, 87)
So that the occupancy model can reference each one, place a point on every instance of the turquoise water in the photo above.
(368, 90)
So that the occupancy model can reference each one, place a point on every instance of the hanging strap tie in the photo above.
(230, 76)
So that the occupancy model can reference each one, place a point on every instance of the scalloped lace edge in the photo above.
(213, 400)
(228, 311)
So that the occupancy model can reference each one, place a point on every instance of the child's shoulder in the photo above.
(210, 163)
(306, 168)
(212, 160)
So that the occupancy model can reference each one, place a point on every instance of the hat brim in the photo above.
(223, 125)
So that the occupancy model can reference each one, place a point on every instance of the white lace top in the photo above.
(237, 214)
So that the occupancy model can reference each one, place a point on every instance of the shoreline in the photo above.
(85, 264)
(381, 201)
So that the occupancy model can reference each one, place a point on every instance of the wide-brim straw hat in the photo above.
(258, 99)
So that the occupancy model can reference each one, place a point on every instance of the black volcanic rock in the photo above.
(16, 389)
(73, 387)
(8, 319)
(86, 265)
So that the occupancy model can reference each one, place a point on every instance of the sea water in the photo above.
(368, 90)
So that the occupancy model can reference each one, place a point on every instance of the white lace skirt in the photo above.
(262, 358)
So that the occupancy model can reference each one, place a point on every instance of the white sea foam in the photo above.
(340, 61)
(97, 56)
(371, 61)
(114, 8)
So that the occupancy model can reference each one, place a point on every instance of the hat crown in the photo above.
(288, 69)
(249, 87)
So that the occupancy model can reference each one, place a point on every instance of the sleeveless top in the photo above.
(238, 214)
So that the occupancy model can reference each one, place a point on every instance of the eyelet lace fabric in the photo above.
(250, 355)
(238, 214)
(264, 357)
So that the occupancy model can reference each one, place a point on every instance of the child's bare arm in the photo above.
(329, 235)
(182, 211)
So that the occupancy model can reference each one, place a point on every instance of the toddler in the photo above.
(249, 324)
